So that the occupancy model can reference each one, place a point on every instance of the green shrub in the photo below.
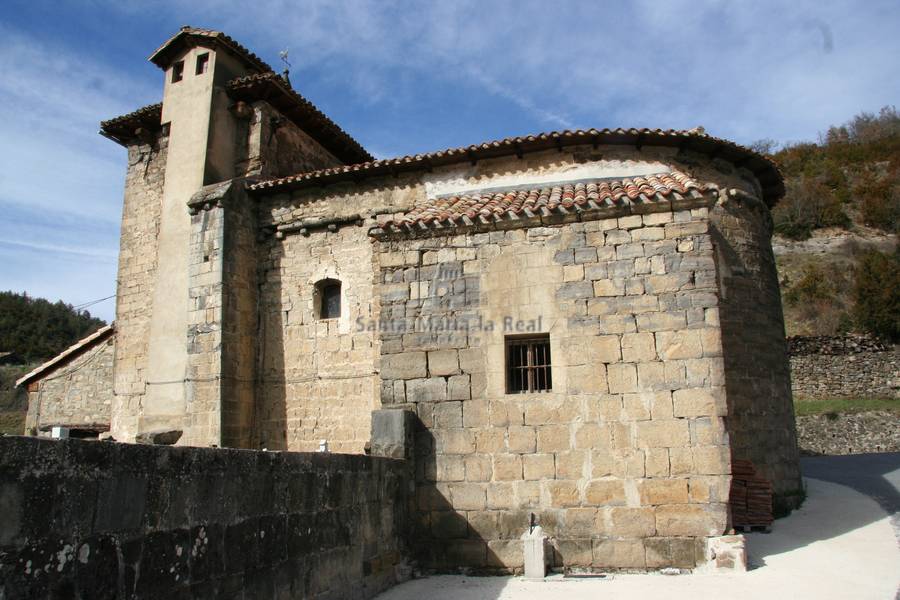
(879, 203)
(814, 285)
(818, 300)
(877, 294)
(808, 204)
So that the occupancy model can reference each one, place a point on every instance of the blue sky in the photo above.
(410, 77)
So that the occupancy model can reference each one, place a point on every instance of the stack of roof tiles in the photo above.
(491, 206)
(750, 500)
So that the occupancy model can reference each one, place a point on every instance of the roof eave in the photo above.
(160, 56)
(189, 37)
(764, 169)
(270, 86)
(124, 129)
(73, 351)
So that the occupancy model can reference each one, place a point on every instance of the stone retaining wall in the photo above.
(849, 433)
(829, 367)
(104, 520)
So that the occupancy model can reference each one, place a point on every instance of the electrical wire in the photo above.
(91, 303)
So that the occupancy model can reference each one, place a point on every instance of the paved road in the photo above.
(875, 475)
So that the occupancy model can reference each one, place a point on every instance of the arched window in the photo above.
(327, 299)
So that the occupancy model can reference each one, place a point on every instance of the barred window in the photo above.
(528, 364)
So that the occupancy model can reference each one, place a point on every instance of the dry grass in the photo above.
(12, 423)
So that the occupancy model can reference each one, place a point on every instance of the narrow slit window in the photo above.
(328, 299)
(178, 71)
(528, 365)
(202, 63)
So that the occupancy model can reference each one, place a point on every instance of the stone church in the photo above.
(586, 324)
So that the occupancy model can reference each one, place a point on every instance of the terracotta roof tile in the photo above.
(490, 206)
(694, 139)
(69, 353)
(122, 129)
(191, 35)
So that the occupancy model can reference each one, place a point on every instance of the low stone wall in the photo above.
(829, 367)
(104, 520)
(849, 433)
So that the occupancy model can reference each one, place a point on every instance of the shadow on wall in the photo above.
(874, 475)
(271, 386)
(93, 520)
(459, 527)
(444, 539)
(760, 421)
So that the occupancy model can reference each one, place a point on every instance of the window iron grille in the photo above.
(528, 365)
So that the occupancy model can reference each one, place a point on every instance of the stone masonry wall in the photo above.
(276, 147)
(222, 319)
(94, 520)
(757, 376)
(77, 393)
(850, 366)
(600, 460)
(204, 382)
(625, 462)
(317, 379)
(241, 325)
(317, 376)
(863, 375)
(136, 279)
(268, 145)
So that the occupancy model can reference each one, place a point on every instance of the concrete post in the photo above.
(534, 553)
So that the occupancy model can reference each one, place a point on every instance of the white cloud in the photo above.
(60, 183)
(744, 70)
(101, 254)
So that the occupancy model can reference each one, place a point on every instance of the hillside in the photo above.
(836, 229)
(37, 329)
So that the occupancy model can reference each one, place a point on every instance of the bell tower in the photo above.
(186, 310)
(202, 146)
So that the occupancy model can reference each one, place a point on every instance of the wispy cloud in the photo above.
(518, 99)
(108, 256)
(60, 183)
(744, 70)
